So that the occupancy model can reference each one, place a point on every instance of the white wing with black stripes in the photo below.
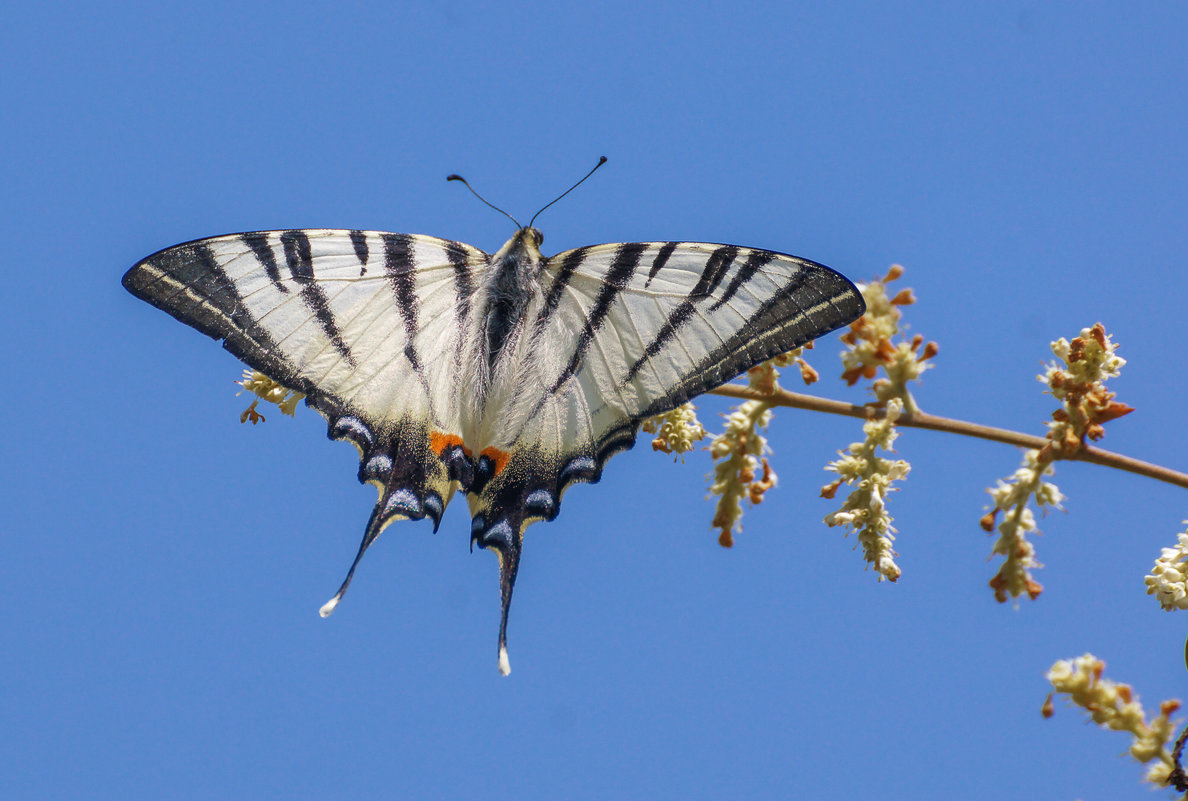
(509, 376)
(366, 324)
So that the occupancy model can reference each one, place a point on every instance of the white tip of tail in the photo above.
(328, 607)
(504, 665)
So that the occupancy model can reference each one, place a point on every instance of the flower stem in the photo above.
(919, 419)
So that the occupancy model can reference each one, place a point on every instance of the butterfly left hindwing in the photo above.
(509, 376)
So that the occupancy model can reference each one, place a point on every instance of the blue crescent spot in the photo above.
(485, 466)
(404, 501)
(378, 466)
(498, 534)
(540, 500)
(579, 464)
(354, 428)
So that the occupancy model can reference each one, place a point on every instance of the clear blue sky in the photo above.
(163, 565)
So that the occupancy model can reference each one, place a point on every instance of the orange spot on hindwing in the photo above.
(498, 459)
(440, 442)
(473, 473)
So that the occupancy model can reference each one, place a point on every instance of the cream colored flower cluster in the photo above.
(1079, 385)
(865, 509)
(794, 358)
(871, 345)
(264, 388)
(1077, 381)
(875, 343)
(677, 431)
(1011, 498)
(740, 471)
(1115, 706)
(1168, 580)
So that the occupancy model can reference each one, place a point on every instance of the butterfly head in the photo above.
(523, 249)
(532, 237)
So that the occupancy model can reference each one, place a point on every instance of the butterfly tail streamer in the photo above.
(509, 565)
(507, 541)
(374, 526)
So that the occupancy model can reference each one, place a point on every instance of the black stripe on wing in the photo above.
(715, 269)
(660, 260)
(362, 253)
(565, 272)
(620, 272)
(755, 260)
(401, 267)
(463, 282)
(258, 242)
(299, 260)
(460, 262)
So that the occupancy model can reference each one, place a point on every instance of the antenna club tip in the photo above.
(601, 160)
(328, 607)
(454, 177)
(504, 664)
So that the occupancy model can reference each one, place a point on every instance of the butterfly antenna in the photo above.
(601, 161)
(480, 197)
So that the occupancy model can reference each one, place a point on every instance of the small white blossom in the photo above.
(1085, 405)
(870, 346)
(264, 388)
(677, 431)
(1079, 385)
(1168, 580)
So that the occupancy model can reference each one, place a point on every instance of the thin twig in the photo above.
(796, 400)
(1177, 778)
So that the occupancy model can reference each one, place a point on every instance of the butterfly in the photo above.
(506, 376)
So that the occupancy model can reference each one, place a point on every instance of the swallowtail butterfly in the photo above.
(508, 376)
